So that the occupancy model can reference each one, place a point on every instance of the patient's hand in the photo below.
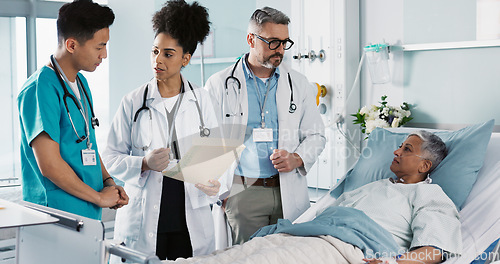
(209, 190)
(424, 255)
(373, 261)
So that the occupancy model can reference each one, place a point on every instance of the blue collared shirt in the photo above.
(254, 161)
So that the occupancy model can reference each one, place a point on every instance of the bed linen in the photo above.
(283, 248)
(480, 219)
(366, 217)
(347, 224)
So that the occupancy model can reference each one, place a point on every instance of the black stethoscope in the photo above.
(204, 131)
(94, 120)
(237, 90)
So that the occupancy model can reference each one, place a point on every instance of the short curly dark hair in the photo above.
(187, 23)
(81, 19)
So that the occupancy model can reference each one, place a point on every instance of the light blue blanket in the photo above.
(347, 224)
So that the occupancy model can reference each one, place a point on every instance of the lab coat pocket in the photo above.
(202, 225)
(129, 218)
(197, 198)
(301, 192)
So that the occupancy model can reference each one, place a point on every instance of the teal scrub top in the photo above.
(41, 108)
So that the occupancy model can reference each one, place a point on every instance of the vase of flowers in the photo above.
(370, 117)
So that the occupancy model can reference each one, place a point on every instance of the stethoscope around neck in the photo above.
(94, 121)
(204, 131)
(233, 111)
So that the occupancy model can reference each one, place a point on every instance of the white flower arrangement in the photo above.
(370, 117)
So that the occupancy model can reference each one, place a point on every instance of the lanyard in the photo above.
(171, 130)
(261, 105)
(169, 142)
(84, 106)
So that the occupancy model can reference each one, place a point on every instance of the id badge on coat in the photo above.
(89, 157)
(262, 135)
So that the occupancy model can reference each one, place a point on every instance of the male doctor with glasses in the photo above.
(272, 109)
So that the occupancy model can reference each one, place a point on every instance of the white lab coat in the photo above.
(136, 223)
(301, 132)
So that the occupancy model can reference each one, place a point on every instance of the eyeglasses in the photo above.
(274, 44)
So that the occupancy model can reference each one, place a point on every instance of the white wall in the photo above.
(131, 36)
(382, 21)
(449, 88)
(282, 5)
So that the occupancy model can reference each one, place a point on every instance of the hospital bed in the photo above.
(480, 217)
(480, 214)
(52, 239)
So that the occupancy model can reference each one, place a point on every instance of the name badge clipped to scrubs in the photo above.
(89, 157)
(262, 135)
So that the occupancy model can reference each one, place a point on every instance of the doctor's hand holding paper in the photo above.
(152, 130)
(158, 160)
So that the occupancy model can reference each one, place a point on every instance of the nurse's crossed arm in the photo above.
(108, 182)
(53, 166)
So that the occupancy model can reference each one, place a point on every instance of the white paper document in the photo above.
(208, 158)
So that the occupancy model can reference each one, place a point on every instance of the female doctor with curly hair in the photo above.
(153, 127)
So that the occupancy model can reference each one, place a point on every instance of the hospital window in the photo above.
(12, 75)
(20, 57)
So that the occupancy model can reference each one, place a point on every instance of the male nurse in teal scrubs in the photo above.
(60, 162)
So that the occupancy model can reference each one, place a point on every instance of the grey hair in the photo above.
(433, 147)
(264, 15)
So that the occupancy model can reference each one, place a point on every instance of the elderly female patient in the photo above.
(404, 219)
(418, 215)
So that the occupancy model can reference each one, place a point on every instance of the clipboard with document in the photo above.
(207, 159)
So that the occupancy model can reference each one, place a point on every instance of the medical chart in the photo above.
(208, 158)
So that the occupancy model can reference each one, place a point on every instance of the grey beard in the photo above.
(267, 63)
